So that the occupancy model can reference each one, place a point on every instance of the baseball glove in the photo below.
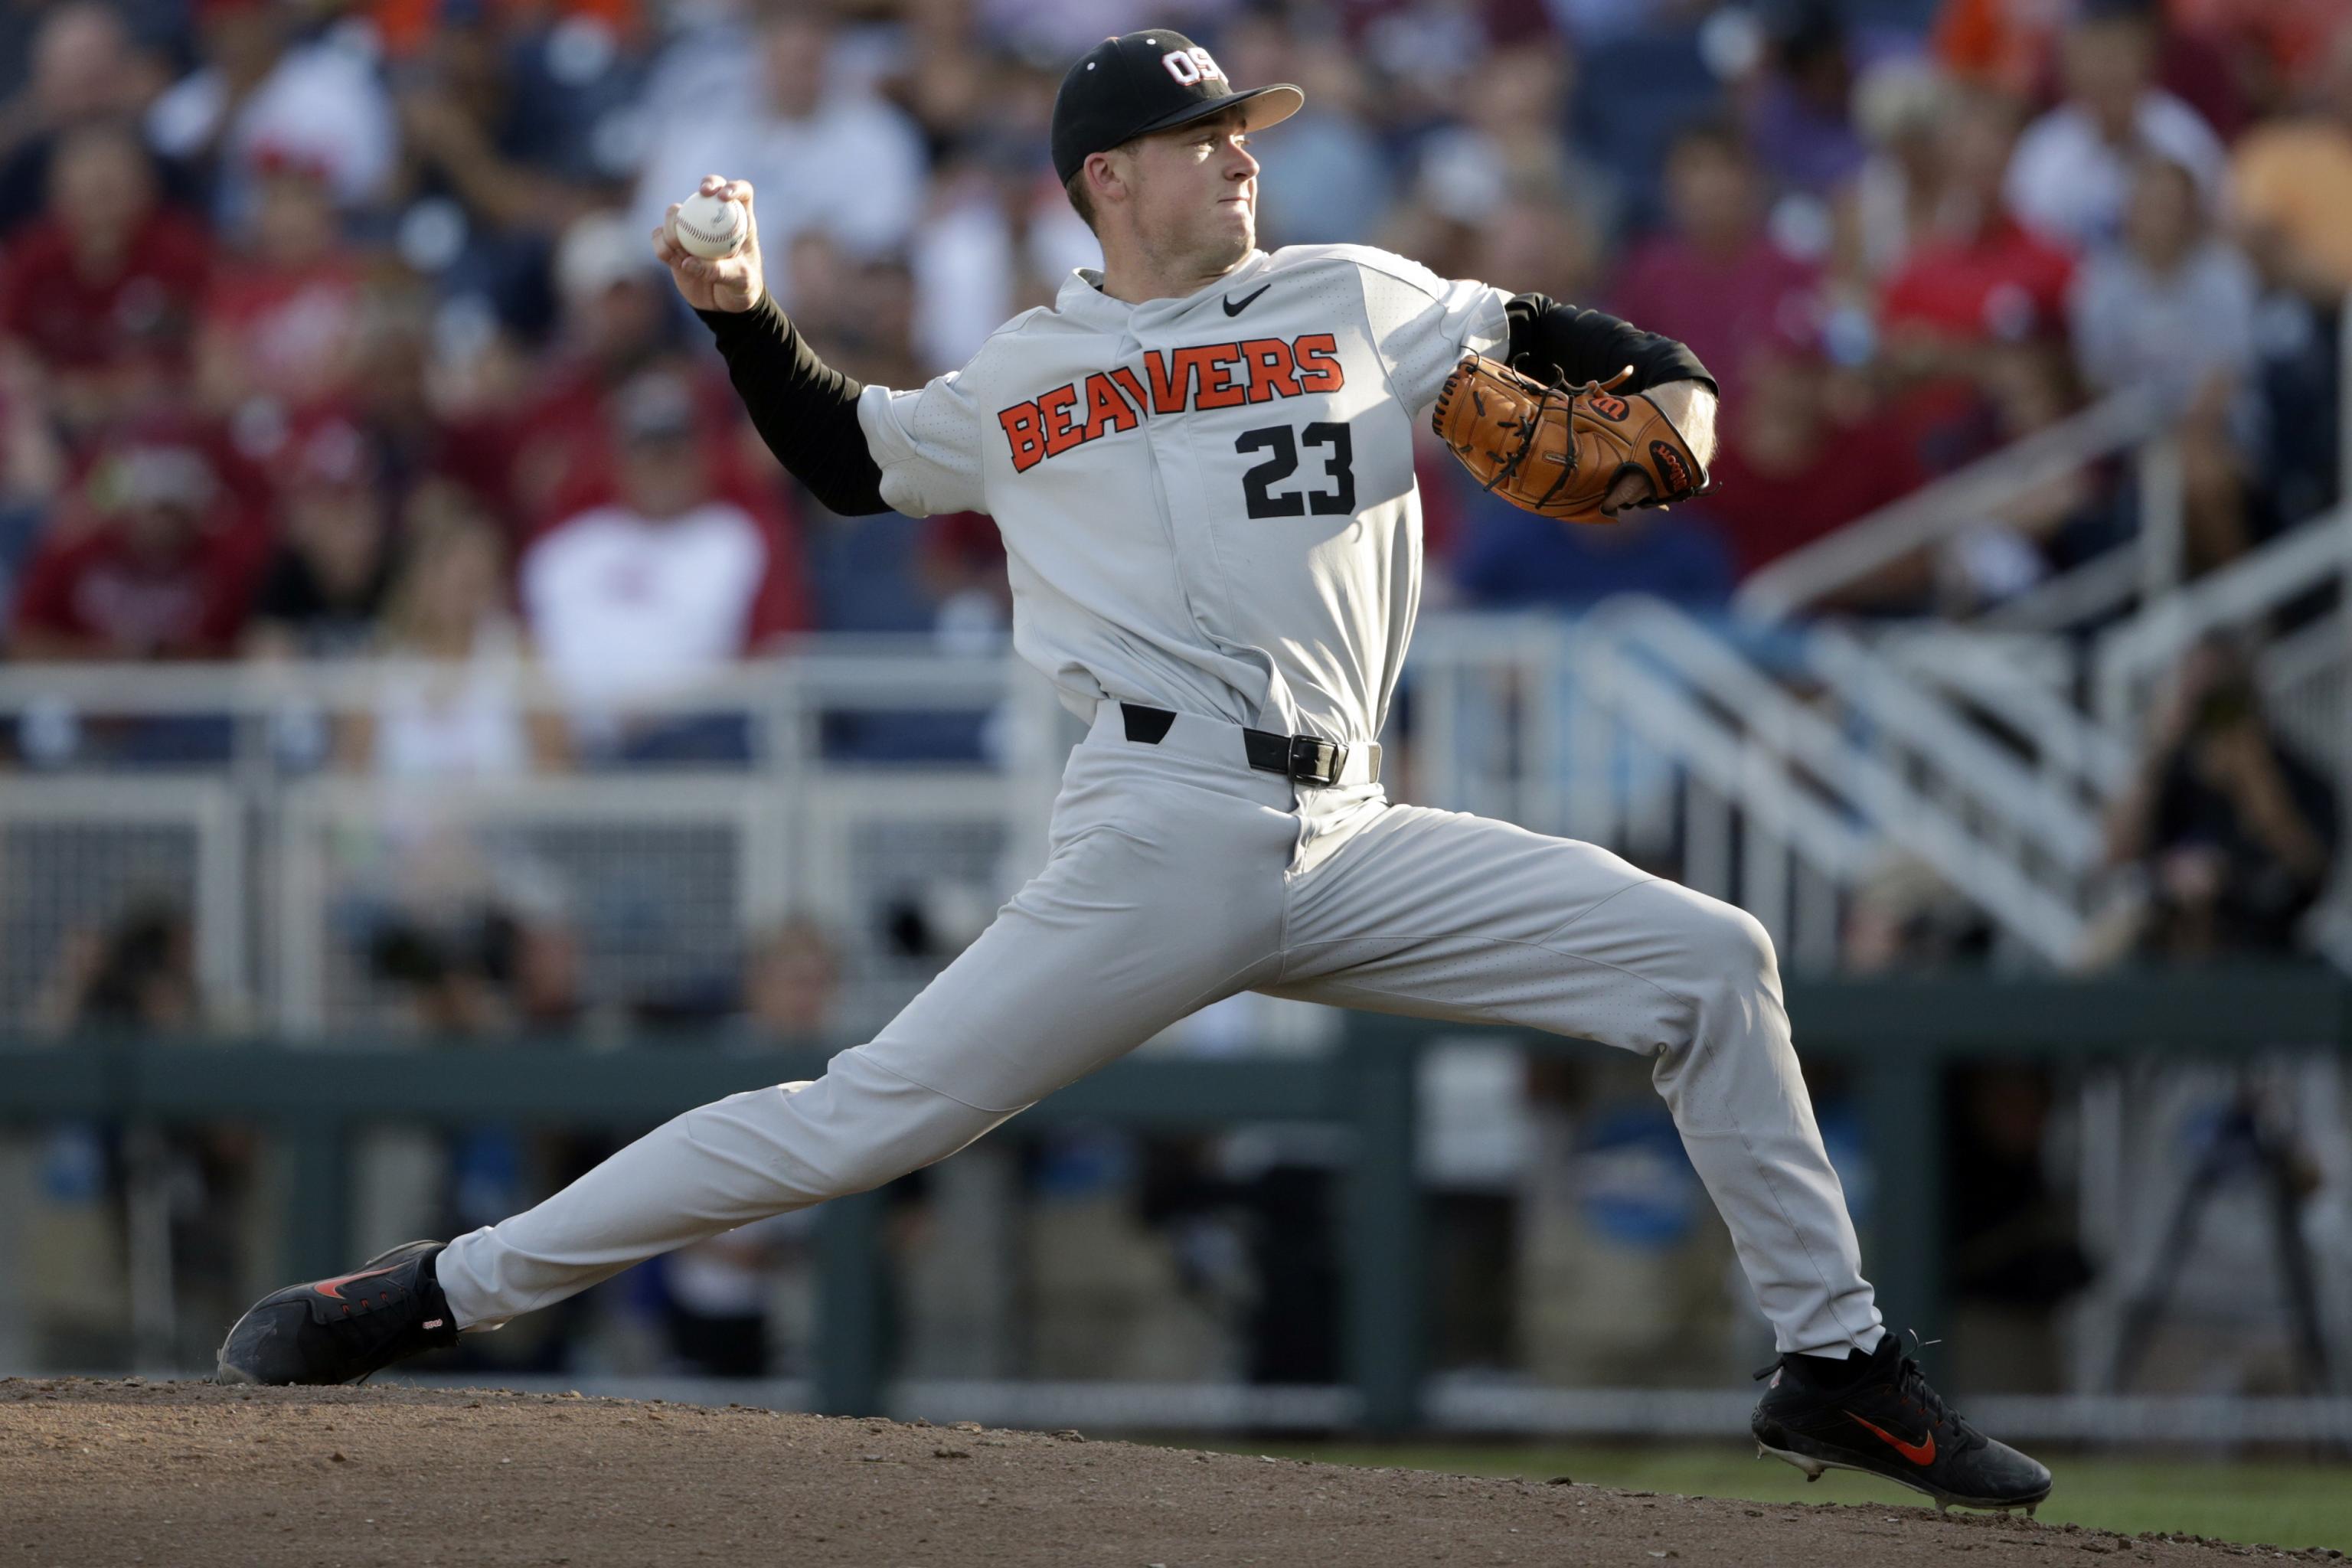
(1558, 450)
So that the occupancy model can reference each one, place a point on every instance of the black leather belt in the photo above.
(1306, 759)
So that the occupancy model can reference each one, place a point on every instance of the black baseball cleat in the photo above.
(332, 1331)
(1877, 1414)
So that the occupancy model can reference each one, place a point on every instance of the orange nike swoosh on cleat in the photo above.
(327, 1287)
(1917, 1453)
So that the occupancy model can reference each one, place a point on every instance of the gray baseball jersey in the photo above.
(1208, 507)
(1207, 503)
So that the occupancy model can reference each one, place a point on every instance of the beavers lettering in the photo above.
(1211, 376)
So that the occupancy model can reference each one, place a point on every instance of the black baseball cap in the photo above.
(1153, 80)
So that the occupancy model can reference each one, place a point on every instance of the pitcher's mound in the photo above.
(191, 1474)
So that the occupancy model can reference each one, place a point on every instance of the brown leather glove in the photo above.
(1558, 451)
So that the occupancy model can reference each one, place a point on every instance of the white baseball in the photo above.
(710, 226)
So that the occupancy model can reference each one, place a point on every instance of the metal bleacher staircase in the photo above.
(1787, 757)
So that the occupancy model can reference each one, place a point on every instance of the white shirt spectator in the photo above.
(2069, 184)
(964, 264)
(2169, 333)
(462, 724)
(322, 105)
(622, 606)
(855, 168)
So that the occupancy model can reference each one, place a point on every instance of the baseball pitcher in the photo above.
(1201, 460)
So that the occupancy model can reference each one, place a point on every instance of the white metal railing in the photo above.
(2023, 684)
(2130, 656)
(1955, 759)
(276, 863)
(1984, 490)
(1646, 730)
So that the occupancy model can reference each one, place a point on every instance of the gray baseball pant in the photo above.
(1176, 876)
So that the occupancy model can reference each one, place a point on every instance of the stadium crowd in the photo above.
(333, 327)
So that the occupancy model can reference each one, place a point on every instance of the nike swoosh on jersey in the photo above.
(1246, 302)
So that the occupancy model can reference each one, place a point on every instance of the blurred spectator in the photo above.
(1510, 144)
(453, 706)
(416, 428)
(2273, 50)
(1900, 108)
(1331, 186)
(2230, 835)
(2024, 389)
(2009, 1235)
(262, 99)
(325, 582)
(162, 567)
(666, 582)
(279, 324)
(614, 323)
(2013, 46)
(86, 69)
(943, 78)
(475, 125)
(2004, 46)
(138, 974)
(2172, 309)
(2289, 183)
(966, 260)
(1973, 273)
(1790, 471)
(2172, 312)
(2070, 176)
(961, 566)
(1537, 242)
(1715, 280)
(101, 292)
(791, 983)
(1903, 916)
(1800, 117)
(821, 150)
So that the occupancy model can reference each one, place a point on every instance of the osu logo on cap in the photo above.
(1191, 65)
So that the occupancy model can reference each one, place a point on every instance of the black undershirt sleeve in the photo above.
(804, 409)
(1550, 341)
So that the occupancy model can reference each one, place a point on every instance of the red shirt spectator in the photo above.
(166, 572)
(1717, 282)
(2011, 47)
(566, 457)
(1788, 475)
(281, 319)
(616, 325)
(107, 280)
(1976, 272)
(1999, 281)
(78, 312)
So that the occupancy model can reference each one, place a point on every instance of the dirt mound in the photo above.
(188, 1474)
